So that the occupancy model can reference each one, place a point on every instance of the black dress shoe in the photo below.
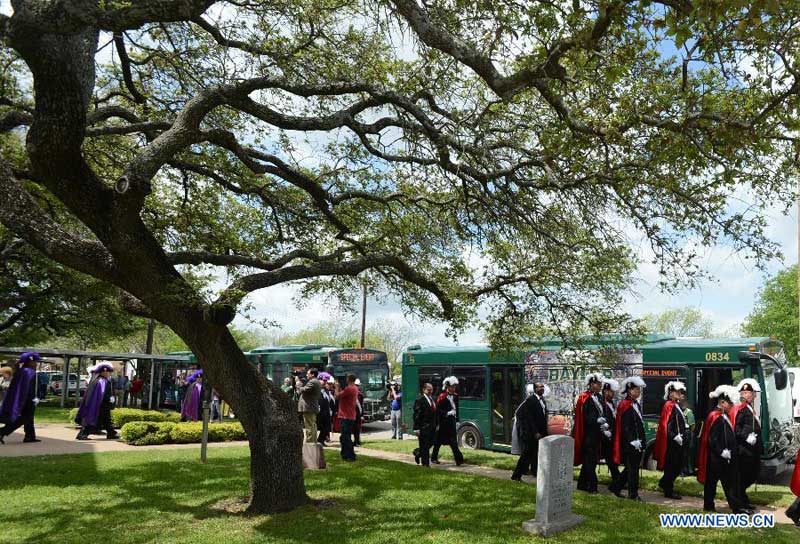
(81, 437)
(672, 496)
(29, 440)
(516, 478)
(751, 506)
(2, 439)
(416, 457)
(435, 462)
(112, 436)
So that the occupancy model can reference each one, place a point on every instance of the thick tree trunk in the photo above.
(63, 73)
(272, 426)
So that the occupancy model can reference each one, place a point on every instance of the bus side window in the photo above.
(433, 375)
(471, 382)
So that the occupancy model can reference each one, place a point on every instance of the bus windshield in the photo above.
(372, 380)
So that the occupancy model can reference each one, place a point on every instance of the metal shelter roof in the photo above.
(98, 355)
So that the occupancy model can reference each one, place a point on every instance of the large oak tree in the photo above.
(502, 153)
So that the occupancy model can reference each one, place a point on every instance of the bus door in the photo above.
(506, 394)
(708, 378)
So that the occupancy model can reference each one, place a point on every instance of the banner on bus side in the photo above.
(565, 373)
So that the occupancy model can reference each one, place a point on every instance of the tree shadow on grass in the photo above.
(163, 496)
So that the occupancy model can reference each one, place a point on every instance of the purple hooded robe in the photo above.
(19, 393)
(191, 404)
(89, 410)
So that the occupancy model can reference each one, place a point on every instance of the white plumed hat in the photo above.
(451, 380)
(594, 377)
(529, 390)
(673, 386)
(611, 383)
(631, 381)
(749, 384)
(725, 392)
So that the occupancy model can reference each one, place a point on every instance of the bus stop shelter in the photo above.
(85, 359)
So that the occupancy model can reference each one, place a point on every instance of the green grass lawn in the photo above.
(167, 496)
(768, 495)
(49, 411)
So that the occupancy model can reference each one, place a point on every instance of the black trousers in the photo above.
(528, 460)
(672, 468)
(424, 449)
(587, 479)
(447, 441)
(613, 469)
(103, 424)
(629, 477)
(24, 420)
(324, 430)
(793, 512)
(728, 474)
(748, 474)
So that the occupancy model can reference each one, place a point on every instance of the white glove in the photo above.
(751, 439)
(602, 421)
(679, 439)
(112, 399)
(604, 427)
(607, 433)
(726, 454)
(451, 413)
(35, 401)
(637, 444)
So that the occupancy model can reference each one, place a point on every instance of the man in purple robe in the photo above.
(20, 400)
(94, 413)
(192, 403)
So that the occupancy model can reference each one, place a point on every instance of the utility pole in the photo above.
(363, 316)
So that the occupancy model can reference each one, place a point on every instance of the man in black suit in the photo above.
(425, 424)
(748, 438)
(531, 426)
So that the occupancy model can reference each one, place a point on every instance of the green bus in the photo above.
(491, 384)
(370, 366)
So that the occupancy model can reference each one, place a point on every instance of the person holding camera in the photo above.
(308, 404)
(396, 398)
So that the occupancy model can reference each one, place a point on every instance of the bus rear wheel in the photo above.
(469, 438)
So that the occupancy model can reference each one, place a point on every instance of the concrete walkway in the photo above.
(57, 439)
(689, 503)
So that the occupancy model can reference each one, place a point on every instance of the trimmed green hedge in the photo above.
(146, 433)
(122, 416)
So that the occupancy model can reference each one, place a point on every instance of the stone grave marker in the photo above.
(554, 487)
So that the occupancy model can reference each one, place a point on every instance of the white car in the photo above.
(57, 382)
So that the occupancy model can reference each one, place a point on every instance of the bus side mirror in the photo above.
(781, 378)
(749, 357)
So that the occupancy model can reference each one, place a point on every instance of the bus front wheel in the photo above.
(469, 438)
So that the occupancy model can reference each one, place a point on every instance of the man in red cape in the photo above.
(589, 424)
(670, 437)
(718, 459)
(629, 438)
(794, 510)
